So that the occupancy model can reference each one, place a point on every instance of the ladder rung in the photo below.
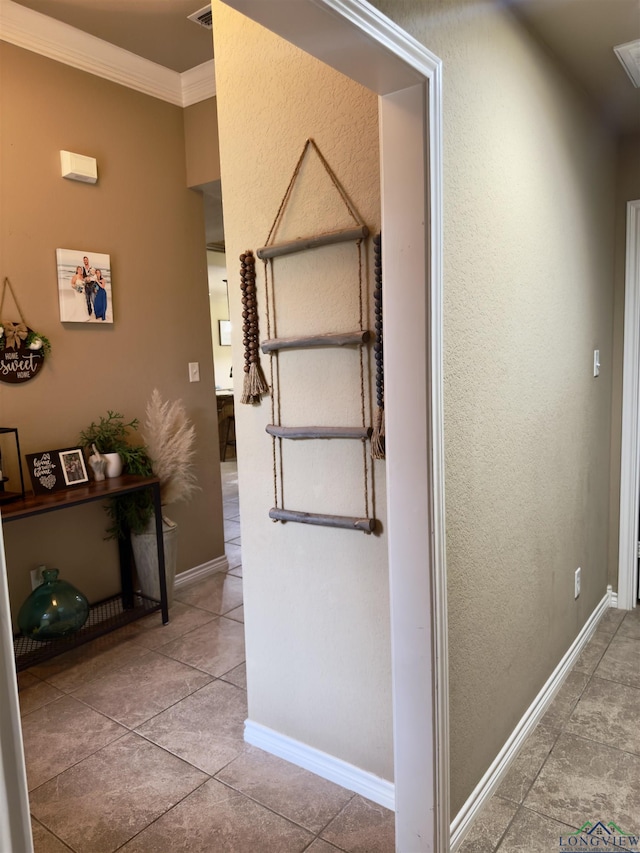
(319, 432)
(312, 242)
(312, 341)
(344, 521)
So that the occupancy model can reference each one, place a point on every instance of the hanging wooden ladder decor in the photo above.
(273, 346)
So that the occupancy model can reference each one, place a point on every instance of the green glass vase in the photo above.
(54, 609)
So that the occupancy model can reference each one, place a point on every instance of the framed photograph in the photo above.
(224, 327)
(74, 470)
(84, 286)
(53, 470)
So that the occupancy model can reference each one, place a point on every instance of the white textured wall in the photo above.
(316, 599)
(528, 242)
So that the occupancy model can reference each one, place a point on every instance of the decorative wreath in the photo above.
(12, 335)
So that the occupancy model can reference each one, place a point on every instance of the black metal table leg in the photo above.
(162, 577)
(126, 572)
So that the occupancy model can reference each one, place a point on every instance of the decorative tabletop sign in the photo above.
(53, 470)
(22, 350)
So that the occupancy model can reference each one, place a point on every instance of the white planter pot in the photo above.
(145, 554)
(114, 464)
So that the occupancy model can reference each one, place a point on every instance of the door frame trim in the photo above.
(630, 447)
(15, 819)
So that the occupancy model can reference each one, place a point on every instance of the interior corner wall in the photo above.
(627, 189)
(201, 143)
(528, 296)
(141, 213)
(316, 598)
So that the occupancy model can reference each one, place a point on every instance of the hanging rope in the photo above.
(7, 284)
(255, 384)
(377, 439)
(276, 443)
(278, 468)
(363, 408)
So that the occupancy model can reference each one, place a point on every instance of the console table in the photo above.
(114, 612)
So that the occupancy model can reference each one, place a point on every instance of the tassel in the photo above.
(246, 390)
(377, 438)
(255, 385)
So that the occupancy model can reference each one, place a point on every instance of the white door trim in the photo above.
(360, 42)
(15, 821)
(630, 451)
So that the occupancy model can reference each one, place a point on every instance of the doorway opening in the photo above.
(355, 39)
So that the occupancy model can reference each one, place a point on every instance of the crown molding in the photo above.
(63, 43)
(198, 83)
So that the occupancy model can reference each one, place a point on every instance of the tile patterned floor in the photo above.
(135, 742)
(582, 762)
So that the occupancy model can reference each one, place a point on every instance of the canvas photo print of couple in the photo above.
(84, 286)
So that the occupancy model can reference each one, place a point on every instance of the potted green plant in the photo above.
(110, 436)
(169, 440)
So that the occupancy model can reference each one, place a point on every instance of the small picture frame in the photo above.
(53, 470)
(224, 329)
(74, 470)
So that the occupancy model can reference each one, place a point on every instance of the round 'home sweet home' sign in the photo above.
(22, 350)
(19, 360)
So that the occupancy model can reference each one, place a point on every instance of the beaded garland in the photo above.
(377, 439)
(255, 384)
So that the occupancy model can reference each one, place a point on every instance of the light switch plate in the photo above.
(194, 371)
(596, 362)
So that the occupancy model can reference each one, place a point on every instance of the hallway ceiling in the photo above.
(154, 29)
(580, 33)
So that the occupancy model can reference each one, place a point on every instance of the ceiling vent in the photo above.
(202, 17)
(629, 56)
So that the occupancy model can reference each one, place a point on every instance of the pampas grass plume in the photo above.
(170, 438)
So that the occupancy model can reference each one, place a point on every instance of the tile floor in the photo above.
(582, 762)
(135, 742)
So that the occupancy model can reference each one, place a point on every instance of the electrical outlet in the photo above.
(36, 577)
(576, 590)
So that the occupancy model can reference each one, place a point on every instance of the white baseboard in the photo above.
(614, 597)
(485, 788)
(220, 564)
(326, 766)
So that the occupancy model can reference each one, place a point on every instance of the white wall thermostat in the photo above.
(77, 167)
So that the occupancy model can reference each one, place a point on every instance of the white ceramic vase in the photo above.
(114, 464)
(145, 554)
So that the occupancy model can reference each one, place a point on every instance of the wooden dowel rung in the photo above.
(312, 341)
(344, 521)
(312, 242)
(319, 432)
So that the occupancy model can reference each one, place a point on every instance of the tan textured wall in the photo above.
(142, 214)
(201, 143)
(528, 260)
(627, 189)
(316, 599)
